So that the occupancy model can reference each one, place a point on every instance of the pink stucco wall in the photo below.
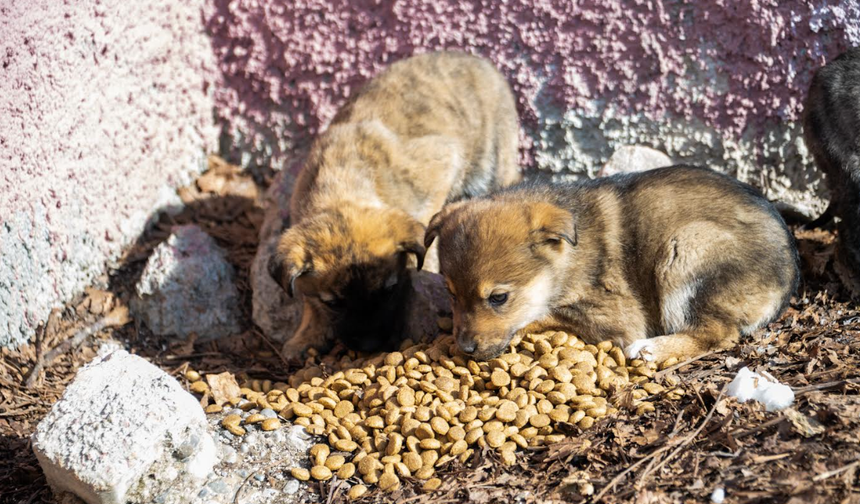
(105, 107)
(733, 66)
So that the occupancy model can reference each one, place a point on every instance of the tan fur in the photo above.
(430, 129)
(684, 254)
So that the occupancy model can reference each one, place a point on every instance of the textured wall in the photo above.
(104, 109)
(718, 82)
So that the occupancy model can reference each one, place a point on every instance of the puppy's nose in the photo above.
(467, 343)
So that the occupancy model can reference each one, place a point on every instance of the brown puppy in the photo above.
(685, 257)
(430, 129)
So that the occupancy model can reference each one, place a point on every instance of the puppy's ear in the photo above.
(551, 225)
(413, 247)
(408, 238)
(438, 221)
(288, 263)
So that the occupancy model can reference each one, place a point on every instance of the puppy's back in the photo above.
(832, 117)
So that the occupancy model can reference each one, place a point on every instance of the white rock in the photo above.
(718, 495)
(187, 287)
(634, 158)
(765, 389)
(122, 420)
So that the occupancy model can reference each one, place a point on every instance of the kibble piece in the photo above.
(388, 481)
(456, 433)
(192, 375)
(321, 473)
(343, 408)
(500, 378)
(425, 473)
(346, 471)
(495, 438)
(508, 457)
(432, 484)
(395, 444)
(439, 425)
(270, 424)
(335, 462)
(541, 420)
(507, 411)
(430, 444)
(413, 461)
(232, 420)
(300, 473)
(357, 491)
(199, 387)
(406, 396)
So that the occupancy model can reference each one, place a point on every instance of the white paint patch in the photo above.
(763, 388)
(675, 308)
(641, 349)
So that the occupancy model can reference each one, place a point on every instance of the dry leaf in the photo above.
(223, 387)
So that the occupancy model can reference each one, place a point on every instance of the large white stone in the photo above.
(123, 424)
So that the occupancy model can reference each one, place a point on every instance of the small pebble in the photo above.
(219, 486)
(292, 486)
(269, 413)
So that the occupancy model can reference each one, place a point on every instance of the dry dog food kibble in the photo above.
(407, 414)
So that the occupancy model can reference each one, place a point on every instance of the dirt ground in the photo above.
(682, 452)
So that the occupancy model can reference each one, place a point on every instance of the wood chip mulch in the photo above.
(683, 452)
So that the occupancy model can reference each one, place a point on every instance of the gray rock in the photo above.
(292, 486)
(187, 287)
(634, 158)
(119, 422)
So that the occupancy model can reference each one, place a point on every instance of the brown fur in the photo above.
(684, 256)
(430, 129)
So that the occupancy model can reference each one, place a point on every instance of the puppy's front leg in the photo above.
(709, 335)
(312, 333)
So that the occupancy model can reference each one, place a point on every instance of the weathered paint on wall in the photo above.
(715, 82)
(104, 110)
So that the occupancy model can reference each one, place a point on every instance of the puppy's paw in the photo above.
(644, 349)
(294, 351)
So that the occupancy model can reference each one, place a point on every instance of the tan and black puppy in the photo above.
(672, 262)
(430, 129)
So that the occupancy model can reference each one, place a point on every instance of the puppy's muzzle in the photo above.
(467, 342)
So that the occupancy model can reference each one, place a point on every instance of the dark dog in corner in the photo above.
(831, 127)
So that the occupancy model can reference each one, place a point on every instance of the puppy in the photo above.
(672, 262)
(430, 129)
(831, 127)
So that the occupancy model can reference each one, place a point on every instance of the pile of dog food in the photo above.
(409, 413)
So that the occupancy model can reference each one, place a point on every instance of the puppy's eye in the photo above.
(498, 299)
(331, 301)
